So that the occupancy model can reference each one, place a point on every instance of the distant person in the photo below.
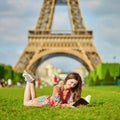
(2, 82)
(63, 95)
(37, 83)
(55, 80)
(9, 82)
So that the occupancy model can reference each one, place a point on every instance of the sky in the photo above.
(19, 16)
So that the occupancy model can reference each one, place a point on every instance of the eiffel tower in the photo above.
(42, 43)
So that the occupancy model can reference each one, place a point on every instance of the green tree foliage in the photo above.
(6, 72)
(104, 74)
(17, 77)
(108, 80)
(1, 71)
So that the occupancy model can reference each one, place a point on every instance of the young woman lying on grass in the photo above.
(63, 95)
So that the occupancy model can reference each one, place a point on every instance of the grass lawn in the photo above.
(105, 105)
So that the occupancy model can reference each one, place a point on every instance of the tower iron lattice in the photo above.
(42, 42)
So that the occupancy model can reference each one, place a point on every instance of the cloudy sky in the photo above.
(19, 16)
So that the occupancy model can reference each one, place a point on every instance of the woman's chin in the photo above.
(68, 87)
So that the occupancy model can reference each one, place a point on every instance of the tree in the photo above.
(1, 71)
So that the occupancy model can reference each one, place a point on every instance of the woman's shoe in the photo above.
(29, 76)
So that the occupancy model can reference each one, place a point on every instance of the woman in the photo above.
(63, 95)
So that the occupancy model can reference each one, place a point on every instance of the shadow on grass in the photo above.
(96, 104)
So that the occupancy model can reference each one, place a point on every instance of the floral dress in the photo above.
(59, 96)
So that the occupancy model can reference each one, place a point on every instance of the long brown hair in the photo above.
(78, 88)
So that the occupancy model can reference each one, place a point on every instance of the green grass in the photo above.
(105, 105)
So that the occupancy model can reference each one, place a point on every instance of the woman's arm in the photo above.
(67, 105)
(56, 97)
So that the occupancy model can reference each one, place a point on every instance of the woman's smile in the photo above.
(71, 83)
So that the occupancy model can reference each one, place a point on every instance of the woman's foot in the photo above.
(29, 76)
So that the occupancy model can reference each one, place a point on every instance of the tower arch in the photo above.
(73, 54)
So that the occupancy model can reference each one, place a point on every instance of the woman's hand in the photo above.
(71, 104)
(68, 105)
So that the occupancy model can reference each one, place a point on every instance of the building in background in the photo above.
(47, 73)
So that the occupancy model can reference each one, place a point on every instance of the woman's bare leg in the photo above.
(32, 90)
(29, 93)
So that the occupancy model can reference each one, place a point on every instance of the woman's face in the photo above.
(71, 83)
